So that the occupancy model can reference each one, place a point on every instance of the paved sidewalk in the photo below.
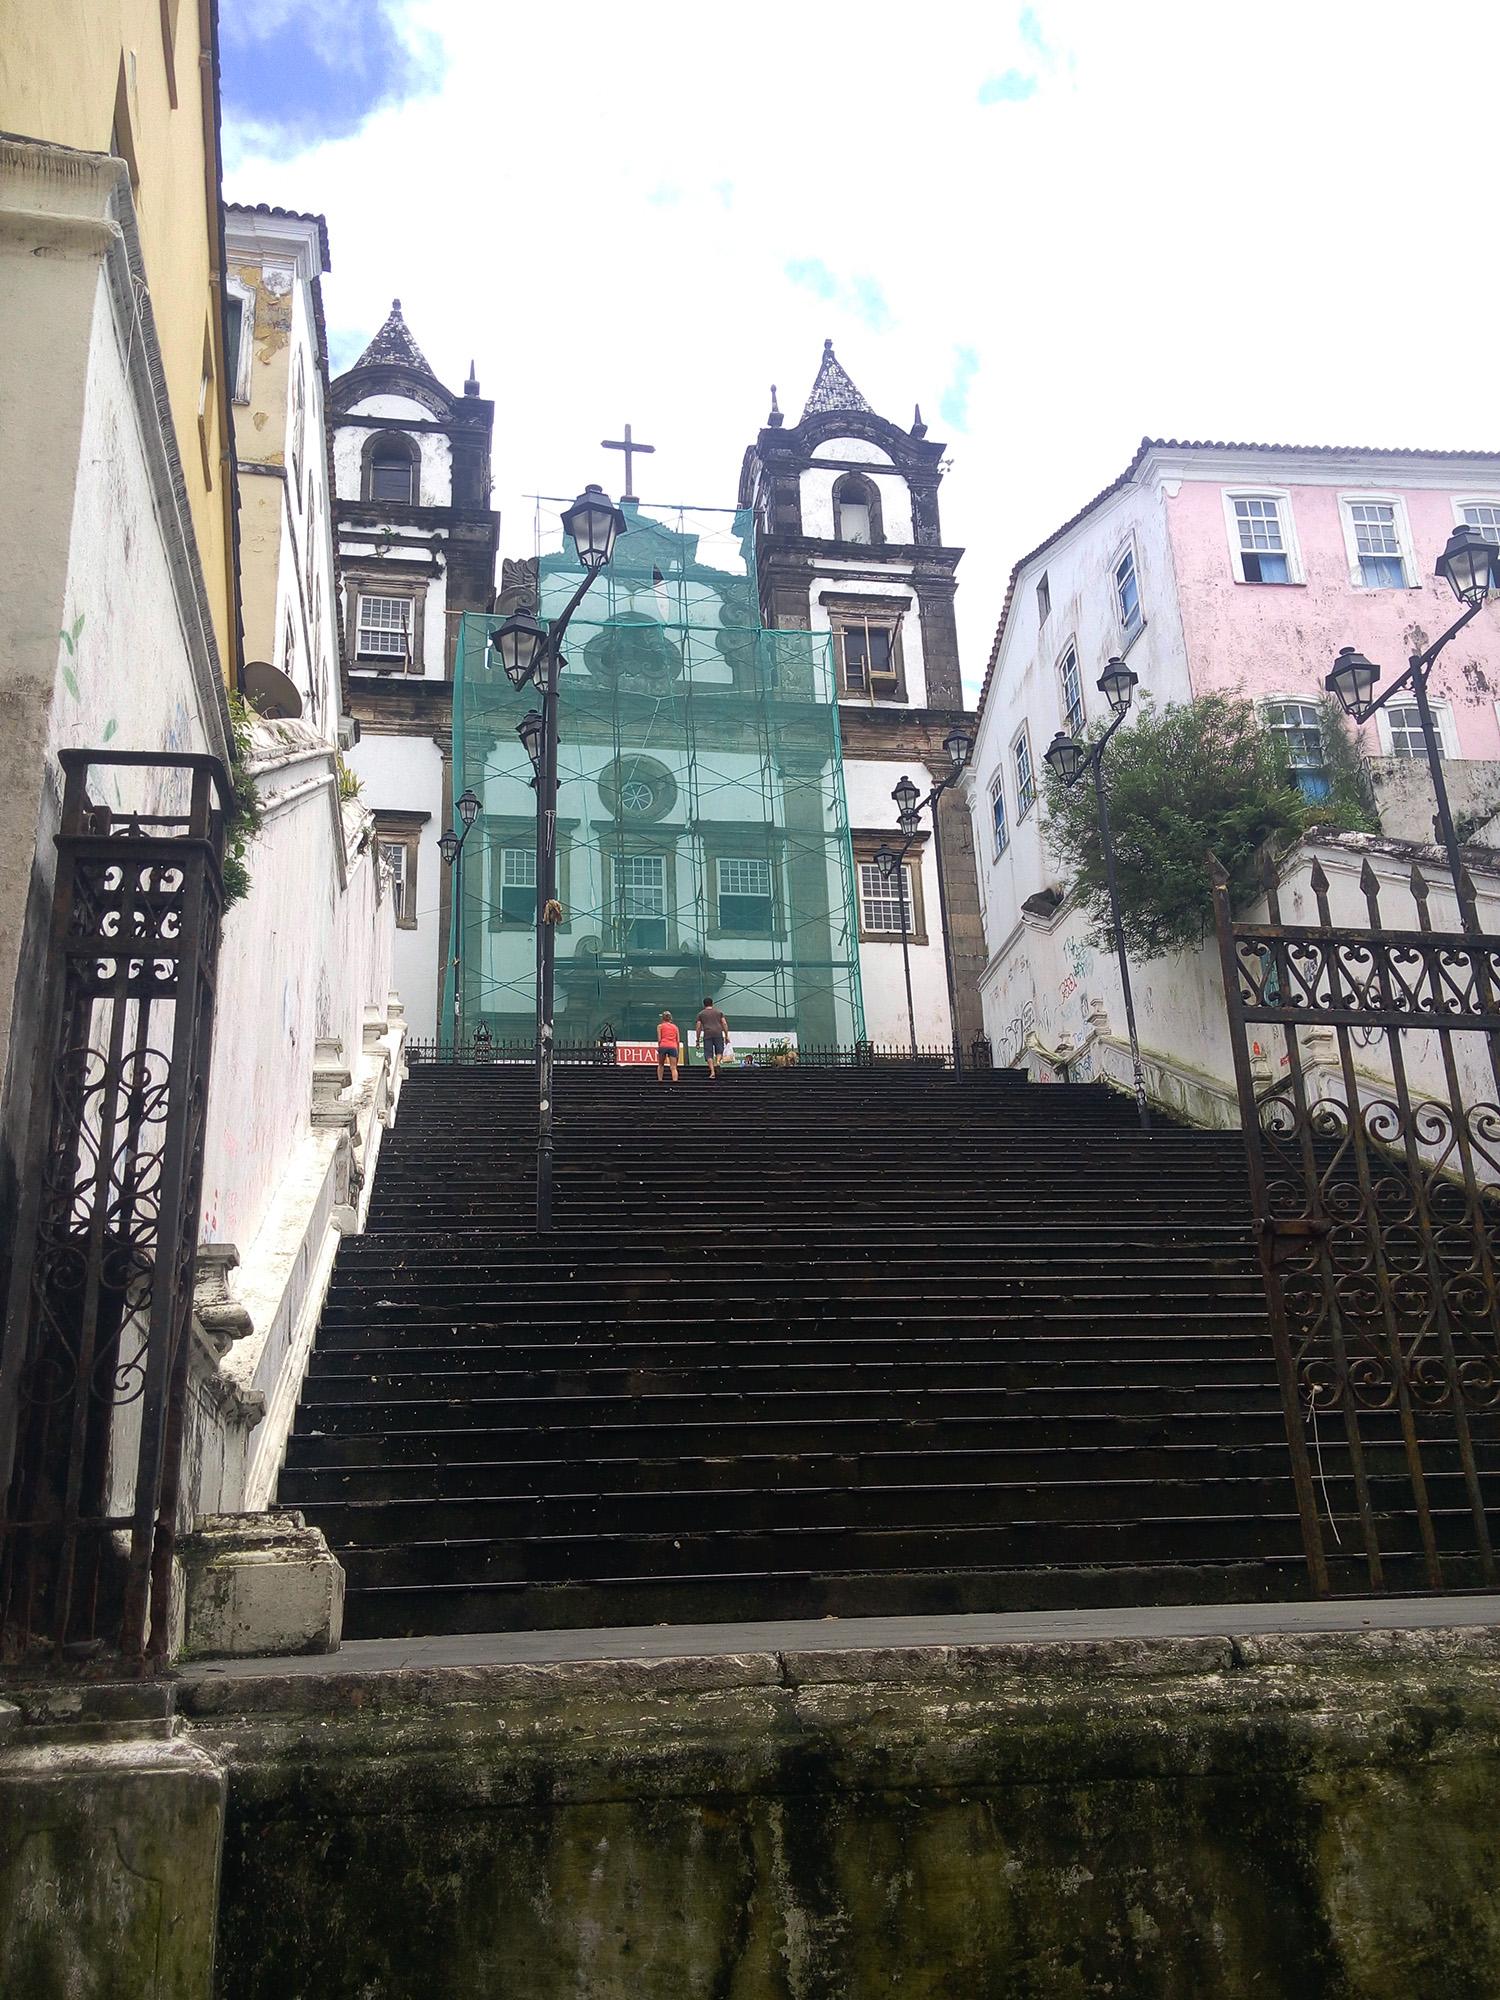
(665, 1642)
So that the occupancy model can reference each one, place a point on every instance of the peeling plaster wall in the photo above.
(303, 955)
(435, 484)
(1281, 639)
(888, 589)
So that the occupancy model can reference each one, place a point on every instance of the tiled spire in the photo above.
(833, 390)
(393, 347)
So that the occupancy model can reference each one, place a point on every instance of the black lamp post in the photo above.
(451, 847)
(1069, 759)
(909, 808)
(528, 650)
(1471, 567)
(889, 861)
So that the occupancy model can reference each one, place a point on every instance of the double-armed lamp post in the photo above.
(451, 847)
(1471, 567)
(1069, 760)
(530, 651)
(891, 862)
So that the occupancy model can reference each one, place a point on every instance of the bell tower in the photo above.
(849, 542)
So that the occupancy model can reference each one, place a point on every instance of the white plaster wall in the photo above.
(313, 528)
(435, 485)
(405, 774)
(303, 955)
(392, 409)
(125, 680)
(817, 486)
(435, 614)
(1025, 686)
(911, 626)
(868, 788)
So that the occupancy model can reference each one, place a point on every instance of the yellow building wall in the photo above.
(102, 75)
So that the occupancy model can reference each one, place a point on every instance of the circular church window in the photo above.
(637, 787)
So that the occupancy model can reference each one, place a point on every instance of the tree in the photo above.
(1183, 781)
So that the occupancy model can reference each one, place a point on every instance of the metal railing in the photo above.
(605, 1055)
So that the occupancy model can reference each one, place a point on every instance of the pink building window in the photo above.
(1377, 541)
(1263, 552)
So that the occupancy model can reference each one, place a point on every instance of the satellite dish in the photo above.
(270, 693)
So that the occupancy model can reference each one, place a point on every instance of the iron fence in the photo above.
(1377, 1202)
(604, 1054)
(93, 1373)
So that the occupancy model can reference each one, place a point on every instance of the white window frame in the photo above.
(626, 888)
(999, 826)
(1266, 703)
(502, 869)
(1462, 500)
(1043, 600)
(889, 892)
(1023, 804)
(396, 875)
(723, 861)
(1071, 651)
(1290, 545)
(1128, 634)
(239, 388)
(382, 659)
(1399, 521)
(1442, 716)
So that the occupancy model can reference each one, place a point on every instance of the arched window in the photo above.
(391, 465)
(856, 510)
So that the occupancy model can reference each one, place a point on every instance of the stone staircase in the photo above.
(802, 1343)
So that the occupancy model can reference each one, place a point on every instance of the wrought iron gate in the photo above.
(1367, 1062)
(93, 1373)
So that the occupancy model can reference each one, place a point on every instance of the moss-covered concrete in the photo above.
(109, 1865)
(1144, 1820)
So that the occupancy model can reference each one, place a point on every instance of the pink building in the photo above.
(1221, 566)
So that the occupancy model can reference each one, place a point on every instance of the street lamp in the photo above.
(1470, 565)
(959, 745)
(531, 730)
(451, 847)
(530, 651)
(1069, 759)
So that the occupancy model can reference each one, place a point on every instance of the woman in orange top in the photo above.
(668, 1048)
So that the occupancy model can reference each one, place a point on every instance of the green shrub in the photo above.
(1183, 781)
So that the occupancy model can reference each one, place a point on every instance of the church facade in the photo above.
(849, 543)
(417, 548)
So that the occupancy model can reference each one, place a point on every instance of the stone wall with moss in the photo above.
(1144, 1820)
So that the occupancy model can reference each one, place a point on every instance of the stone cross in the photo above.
(628, 445)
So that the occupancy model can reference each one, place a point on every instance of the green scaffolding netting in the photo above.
(702, 833)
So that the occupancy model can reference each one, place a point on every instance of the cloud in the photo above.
(1031, 32)
(954, 407)
(814, 274)
(860, 296)
(1014, 87)
(508, 203)
(296, 72)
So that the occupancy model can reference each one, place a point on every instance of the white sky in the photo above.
(1277, 222)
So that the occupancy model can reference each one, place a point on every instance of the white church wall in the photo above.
(435, 451)
(405, 774)
(843, 585)
(868, 787)
(817, 487)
